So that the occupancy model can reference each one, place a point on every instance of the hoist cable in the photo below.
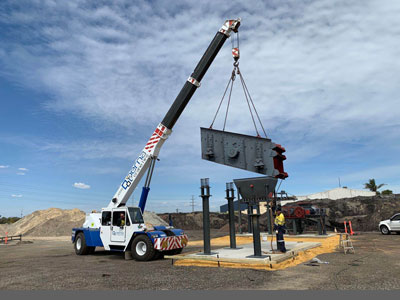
(252, 103)
(245, 91)
(233, 76)
(248, 102)
(220, 103)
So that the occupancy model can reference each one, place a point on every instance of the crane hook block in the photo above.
(235, 53)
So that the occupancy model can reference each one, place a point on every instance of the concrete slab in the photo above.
(246, 253)
(306, 235)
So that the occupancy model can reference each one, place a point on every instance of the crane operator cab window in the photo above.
(136, 215)
(120, 219)
(106, 218)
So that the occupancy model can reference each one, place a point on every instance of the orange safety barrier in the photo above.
(351, 229)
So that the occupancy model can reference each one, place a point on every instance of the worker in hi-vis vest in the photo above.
(279, 227)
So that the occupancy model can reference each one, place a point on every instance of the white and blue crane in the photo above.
(121, 228)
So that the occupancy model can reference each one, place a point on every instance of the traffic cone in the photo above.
(345, 227)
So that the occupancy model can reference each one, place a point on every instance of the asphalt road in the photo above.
(52, 264)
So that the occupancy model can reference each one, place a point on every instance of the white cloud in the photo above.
(21, 173)
(81, 185)
(16, 195)
(314, 70)
(323, 75)
(23, 169)
(3, 167)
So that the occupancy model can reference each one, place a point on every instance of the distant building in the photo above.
(224, 208)
(334, 194)
(337, 193)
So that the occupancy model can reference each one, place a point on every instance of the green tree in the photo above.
(4, 220)
(372, 186)
(387, 192)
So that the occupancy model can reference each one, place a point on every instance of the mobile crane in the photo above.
(121, 228)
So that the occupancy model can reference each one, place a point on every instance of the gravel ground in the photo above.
(52, 264)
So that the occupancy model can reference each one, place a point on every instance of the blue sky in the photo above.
(83, 86)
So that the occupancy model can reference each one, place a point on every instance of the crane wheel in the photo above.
(143, 248)
(80, 245)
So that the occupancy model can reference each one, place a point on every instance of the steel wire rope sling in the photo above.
(249, 100)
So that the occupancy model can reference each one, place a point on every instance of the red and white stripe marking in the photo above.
(170, 242)
(155, 137)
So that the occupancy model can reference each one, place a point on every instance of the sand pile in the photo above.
(151, 219)
(58, 222)
(49, 222)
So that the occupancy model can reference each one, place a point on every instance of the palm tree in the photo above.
(371, 185)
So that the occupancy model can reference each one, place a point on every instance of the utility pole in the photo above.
(21, 212)
(339, 182)
(177, 210)
(192, 203)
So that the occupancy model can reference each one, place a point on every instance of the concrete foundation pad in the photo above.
(245, 255)
(306, 235)
(207, 254)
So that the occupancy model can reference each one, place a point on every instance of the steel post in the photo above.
(205, 195)
(256, 233)
(319, 226)
(240, 212)
(249, 212)
(230, 197)
(269, 218)
(294, 226)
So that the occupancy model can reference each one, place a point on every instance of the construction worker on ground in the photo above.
(279, 227)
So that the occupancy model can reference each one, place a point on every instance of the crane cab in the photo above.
(118, 226)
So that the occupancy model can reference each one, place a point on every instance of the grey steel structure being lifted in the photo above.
(254, 154)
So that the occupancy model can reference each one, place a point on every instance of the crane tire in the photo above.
(143, 248)
(80, 245)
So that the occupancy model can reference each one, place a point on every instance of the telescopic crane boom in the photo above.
(146, 159)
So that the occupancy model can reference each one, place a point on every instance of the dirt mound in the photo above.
(365, 213)
(194, 221)
(49, 222)
(151, 218)
(58, 222)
